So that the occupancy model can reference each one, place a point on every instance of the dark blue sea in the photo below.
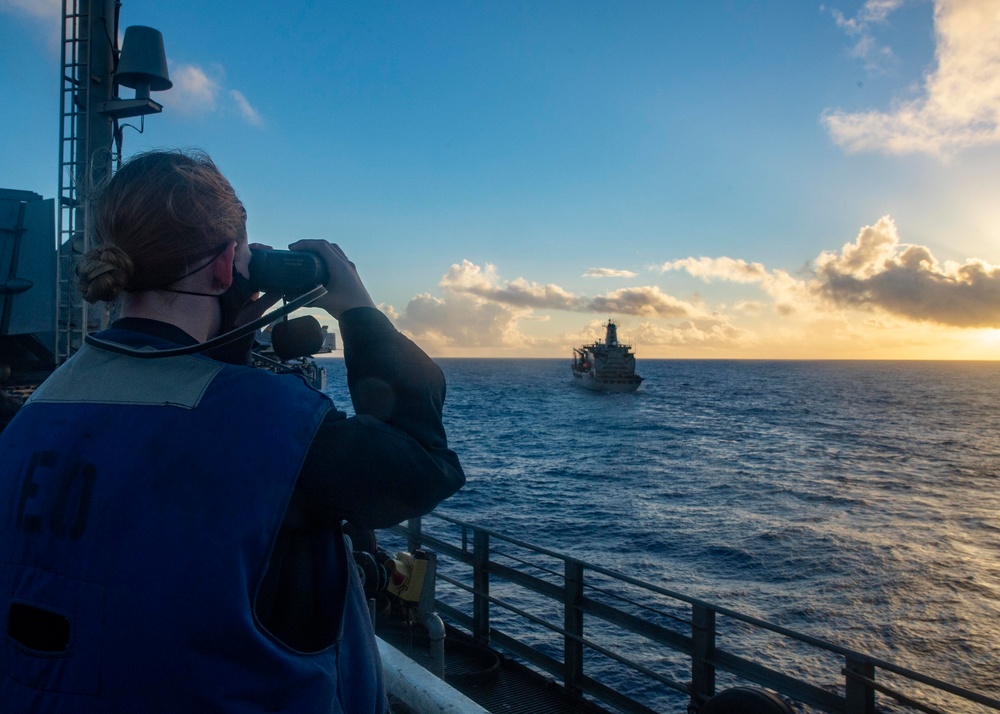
(854, 501)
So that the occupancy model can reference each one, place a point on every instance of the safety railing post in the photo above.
(481, 586)
(414, 534)
(860, 696)
(573, 625)
(702, 651)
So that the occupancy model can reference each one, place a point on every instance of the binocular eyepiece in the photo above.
(289, 272)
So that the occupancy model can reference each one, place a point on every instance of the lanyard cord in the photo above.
(224, 339)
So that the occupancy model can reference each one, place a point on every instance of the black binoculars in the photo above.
(289, 272)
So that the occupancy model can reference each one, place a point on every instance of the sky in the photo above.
(758, 179)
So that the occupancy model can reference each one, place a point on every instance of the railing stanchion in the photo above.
(702, 651)
(481, 585)
(860, 697)
(414, 534)
(573, 624)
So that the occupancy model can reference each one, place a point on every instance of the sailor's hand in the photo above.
(344, 287)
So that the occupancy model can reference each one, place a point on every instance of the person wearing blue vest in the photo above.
(171, 537)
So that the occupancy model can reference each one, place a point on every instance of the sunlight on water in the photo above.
(853, 501)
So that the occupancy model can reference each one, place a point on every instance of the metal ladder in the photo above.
(85, 155)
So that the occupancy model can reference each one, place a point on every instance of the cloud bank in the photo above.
(478, 309)
(959, 105)
(874, 289)
(877, 271)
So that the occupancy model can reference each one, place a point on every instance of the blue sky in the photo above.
(724, 179)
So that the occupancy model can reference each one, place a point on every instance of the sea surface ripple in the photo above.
(854, 501)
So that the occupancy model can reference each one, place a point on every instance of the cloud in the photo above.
(462, 321)
(194, 91)
(608, 273)
(42, 9)
(716, 332)
(878, 271)
(959, 106)
(198, 91)
(789, 295)
(484, 283)
(731, 269)
(859, 27)
(251, 115)
(875, 272)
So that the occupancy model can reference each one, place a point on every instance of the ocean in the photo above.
(854, 501)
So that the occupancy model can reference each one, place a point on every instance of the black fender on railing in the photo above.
(745, 700)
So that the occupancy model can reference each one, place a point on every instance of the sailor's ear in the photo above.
(222, 267)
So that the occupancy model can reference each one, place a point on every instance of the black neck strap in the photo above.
(224, 339)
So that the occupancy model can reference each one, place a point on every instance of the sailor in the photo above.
(172, 535)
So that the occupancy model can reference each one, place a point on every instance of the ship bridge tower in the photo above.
(611, 338)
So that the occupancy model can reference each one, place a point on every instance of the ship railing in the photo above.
(634, 646)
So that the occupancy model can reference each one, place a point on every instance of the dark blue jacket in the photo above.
(140, 520)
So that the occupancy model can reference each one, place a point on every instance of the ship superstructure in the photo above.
(607, 366)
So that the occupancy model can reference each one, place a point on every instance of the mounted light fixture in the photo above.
(142, 66)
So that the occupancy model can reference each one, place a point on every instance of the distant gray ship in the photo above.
(607, 366)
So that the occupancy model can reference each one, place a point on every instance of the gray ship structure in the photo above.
(607, 366)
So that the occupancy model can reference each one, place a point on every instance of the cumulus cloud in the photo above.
(608, 273)
(198, 91)
(194, 91)
(878, 271)
(483, 282)
(789, 294)
(874, 272)
(959, 106)
(462, 321)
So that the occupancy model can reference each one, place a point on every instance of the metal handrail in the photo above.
(701, 646)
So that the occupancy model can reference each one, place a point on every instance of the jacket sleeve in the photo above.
(391, 461)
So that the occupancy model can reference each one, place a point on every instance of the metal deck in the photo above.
(492, 680)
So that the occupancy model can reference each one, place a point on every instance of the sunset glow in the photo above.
(782, 181)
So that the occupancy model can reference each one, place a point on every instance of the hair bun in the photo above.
(103, 273)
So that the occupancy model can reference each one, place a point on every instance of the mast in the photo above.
(90, 137)
(89, 46)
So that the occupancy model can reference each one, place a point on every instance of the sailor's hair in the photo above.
(154, 219)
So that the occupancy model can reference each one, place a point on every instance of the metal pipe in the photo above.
(435, 636)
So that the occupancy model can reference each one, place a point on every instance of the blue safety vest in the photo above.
(141, 499)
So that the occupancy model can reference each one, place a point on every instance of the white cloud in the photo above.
(251, 115)
(485, 284)
(866, 47)
(731, 269)
(462, 321)
(198, 91)
(788, 294)
(959, 106)
(194, 91)
(608, 273)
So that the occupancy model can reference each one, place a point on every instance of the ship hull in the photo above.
(610, 384)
